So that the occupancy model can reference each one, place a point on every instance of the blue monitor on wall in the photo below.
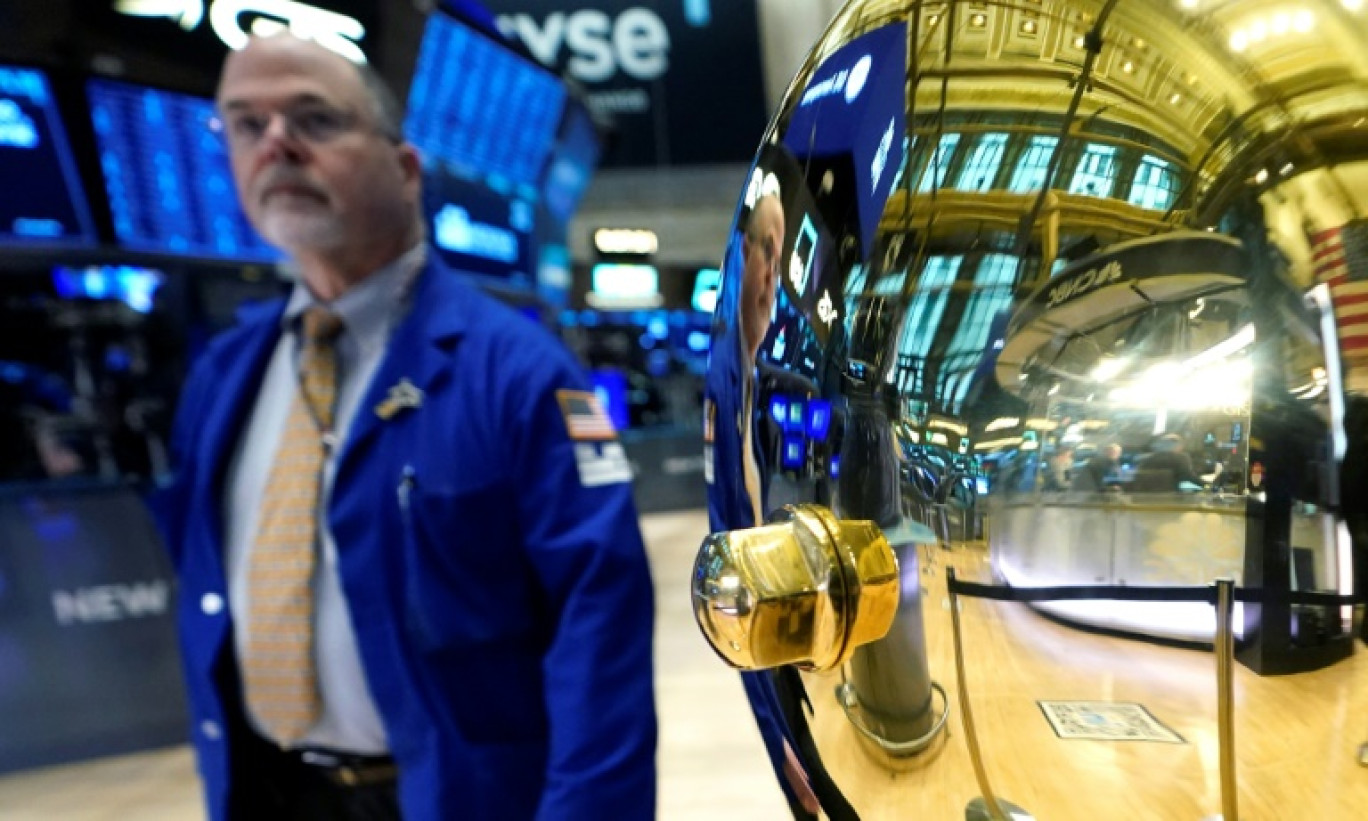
(477, 107)
(572, 162)
(167, 175)
(42, 203)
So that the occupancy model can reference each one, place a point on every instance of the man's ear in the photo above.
(410, 162)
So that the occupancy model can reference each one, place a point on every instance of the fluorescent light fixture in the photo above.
(627, 241)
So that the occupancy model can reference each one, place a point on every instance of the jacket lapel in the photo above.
(419, 353)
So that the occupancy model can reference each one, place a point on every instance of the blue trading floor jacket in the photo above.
(729, 505)
(503, 610)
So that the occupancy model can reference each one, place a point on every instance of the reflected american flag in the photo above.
(1340, 256)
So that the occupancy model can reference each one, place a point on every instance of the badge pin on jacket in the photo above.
(402, 396)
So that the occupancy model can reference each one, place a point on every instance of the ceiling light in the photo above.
(1282, 21)
(1028, 27)
(1262, 176)
(1239, 41)
(978, 21)
(1286, 169)
(933, 19)
(1303, 21)
(1188, 4)
(1128, 67)
(1192, 79)
(1258, 31)
(1176, 98)
(1138, 43)
(1079, 41)
(1352, 5)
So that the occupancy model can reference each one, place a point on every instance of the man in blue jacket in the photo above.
(737, 479)
(412, 580)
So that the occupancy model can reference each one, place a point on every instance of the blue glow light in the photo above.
(818, 419)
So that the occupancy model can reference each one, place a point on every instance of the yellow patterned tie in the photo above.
(278, 668)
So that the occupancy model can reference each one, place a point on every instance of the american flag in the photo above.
(1341, 261)
(585, 418)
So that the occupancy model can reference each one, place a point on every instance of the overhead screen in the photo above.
(572, 163)
(42, 202)
(480, 109)
(167, 175)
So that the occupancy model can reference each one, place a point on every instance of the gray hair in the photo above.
(389, 113)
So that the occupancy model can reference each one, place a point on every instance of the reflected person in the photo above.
(1167, 468)
(1058, 472)
(731, 400)
(1100, 470)
(412, 579)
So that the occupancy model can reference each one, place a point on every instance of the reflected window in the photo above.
(1096, 172)
(934, 175)
(891, 285)
(924, 312)
(909, 144)
(855, 280)
(982, 167)
(1154, 185)
(992, 295)
(1033, 165)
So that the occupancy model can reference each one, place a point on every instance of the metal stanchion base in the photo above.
(977, 810)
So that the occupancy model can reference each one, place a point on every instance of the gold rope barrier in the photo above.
(1224, 646)
(986, 806)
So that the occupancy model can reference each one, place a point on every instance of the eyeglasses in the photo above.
(313, 123)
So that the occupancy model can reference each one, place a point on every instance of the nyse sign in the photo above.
(651, 67)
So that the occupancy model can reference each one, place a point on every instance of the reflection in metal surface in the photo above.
(807, 590)
(1081, 281)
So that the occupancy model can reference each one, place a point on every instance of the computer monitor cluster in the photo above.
(479, 111)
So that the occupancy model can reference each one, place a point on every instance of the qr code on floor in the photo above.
(1106, 721)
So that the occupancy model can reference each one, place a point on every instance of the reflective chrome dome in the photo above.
(1080, 283)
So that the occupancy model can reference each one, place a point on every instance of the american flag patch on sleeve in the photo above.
(585, 419)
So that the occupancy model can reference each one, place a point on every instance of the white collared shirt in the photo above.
(370, 310)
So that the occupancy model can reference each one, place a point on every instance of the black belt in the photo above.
(347, 770)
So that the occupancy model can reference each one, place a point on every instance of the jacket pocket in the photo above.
(466, 578)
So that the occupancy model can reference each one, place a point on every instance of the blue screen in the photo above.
(572, 163)
(43, 202)
(818, 419)
(479, 107)
(170, 187)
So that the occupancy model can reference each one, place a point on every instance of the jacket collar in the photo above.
(421, 347)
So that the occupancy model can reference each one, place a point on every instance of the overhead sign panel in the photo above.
(653, 69)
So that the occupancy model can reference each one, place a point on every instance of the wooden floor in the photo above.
(711, 762)
(1297, 737)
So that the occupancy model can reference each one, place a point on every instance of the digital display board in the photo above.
(43, 201)
(479, 107)
(480, 231)
(572, 163)
(167, 175)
